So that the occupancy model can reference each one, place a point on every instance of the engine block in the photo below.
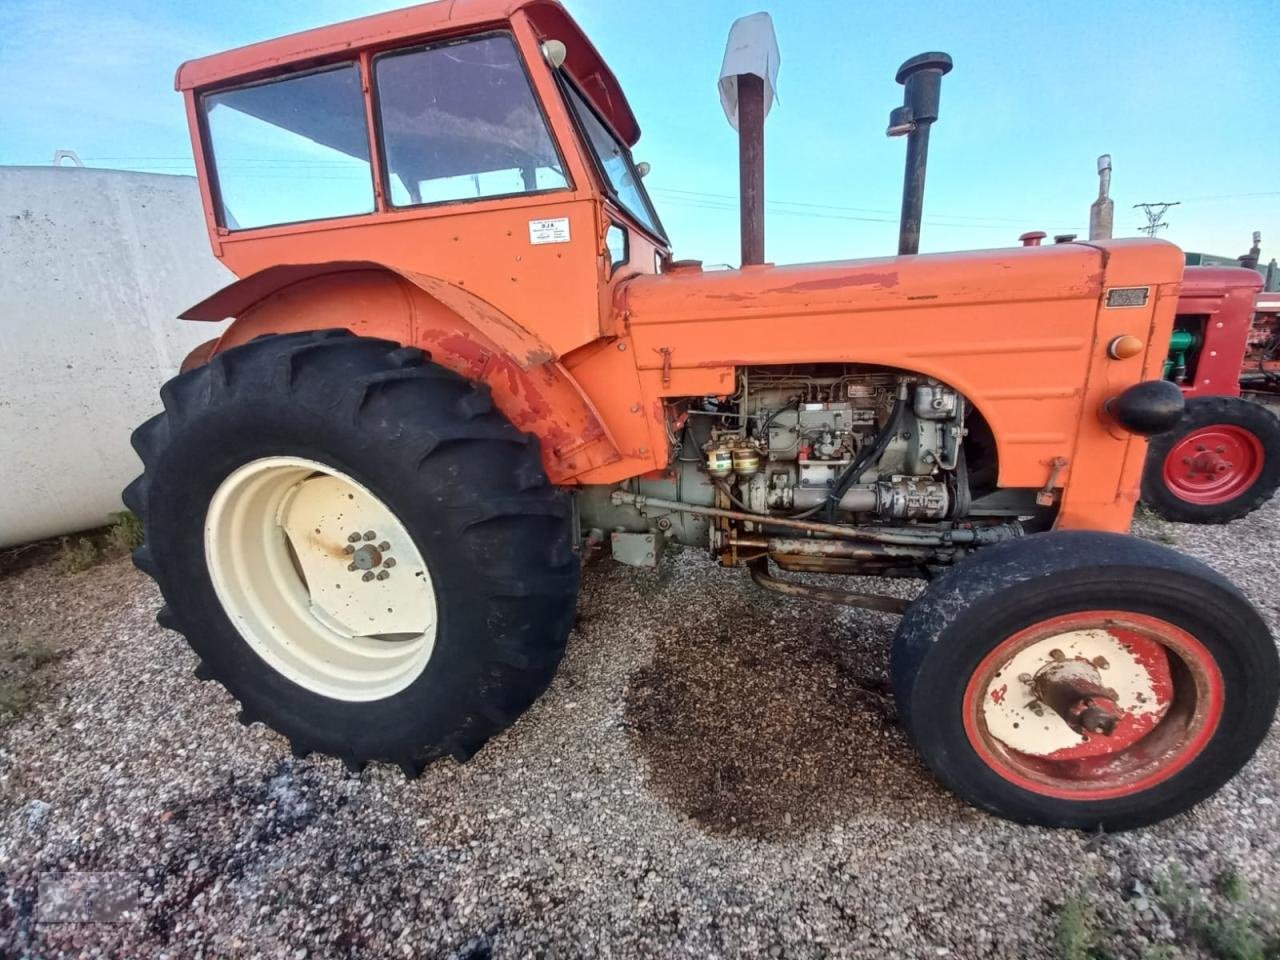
(798, 436)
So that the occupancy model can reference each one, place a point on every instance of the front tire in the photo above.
(1220, 463)
(1088, 680)
(357, 545)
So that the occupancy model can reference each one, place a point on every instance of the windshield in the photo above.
(615, 163)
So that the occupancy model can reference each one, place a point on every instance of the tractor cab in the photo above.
(476, 125)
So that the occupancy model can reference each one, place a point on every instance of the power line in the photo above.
(820, 214)
(672, 195)
(692, 199)
(829, 206)
(1232, 196)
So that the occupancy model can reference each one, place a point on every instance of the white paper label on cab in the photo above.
(549, 231)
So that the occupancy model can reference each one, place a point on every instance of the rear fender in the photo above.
(461, 332)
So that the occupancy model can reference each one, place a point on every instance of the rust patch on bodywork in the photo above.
(542, 400)
(887, 279)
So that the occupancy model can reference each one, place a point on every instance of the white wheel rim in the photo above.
(1013, 717)
(343, 614)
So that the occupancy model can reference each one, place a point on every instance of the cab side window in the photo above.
(460, 121)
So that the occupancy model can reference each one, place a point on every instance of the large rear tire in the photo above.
(1220, 463)
(1089, 680)
(357, 545)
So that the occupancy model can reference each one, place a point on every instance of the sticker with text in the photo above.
(549, 231)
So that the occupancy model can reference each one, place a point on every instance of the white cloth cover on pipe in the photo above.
(752, 48)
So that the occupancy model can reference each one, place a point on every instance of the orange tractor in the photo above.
(461, 352)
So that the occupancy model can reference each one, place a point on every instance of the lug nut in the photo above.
(351, 566)
(389, 562)
(382, 574)
(369, 534)
(368, 575)
(384, 546)
(353, 538)
(348, 549)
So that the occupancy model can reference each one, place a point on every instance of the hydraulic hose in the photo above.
(867, 456)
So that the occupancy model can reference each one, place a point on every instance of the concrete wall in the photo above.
(95, 265)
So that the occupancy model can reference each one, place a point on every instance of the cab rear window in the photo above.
(291, 149)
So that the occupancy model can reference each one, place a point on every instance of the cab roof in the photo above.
(398, 27)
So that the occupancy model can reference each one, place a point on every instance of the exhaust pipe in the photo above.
(921, 78)
(1250, 259)
(1102, 214)
(748, 78)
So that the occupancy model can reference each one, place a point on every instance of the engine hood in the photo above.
(1067, 271)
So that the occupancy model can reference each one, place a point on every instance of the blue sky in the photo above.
(1185, 96)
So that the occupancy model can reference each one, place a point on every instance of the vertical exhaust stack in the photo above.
(1251, 258)
(748, 78)
(1102, 214)
(751, 166)
(921, 79)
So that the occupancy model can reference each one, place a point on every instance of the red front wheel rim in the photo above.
(1166, 701)
(1214, 464)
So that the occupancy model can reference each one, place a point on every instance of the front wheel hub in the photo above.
(1093, 705)
(1073, 689)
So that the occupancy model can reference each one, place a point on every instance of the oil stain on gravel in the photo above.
(760, 728)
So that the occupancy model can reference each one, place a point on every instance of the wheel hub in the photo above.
(367, 557)
(1073, 689)
(1214, 464)
(321, 578)
(1092, 705)
(1050, 699)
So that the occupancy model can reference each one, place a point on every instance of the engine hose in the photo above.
(792, 404)
(961, 496)
(724, 488)
(863, 459)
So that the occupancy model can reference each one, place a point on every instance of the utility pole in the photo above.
(1154, 212)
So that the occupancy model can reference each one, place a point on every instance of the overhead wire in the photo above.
(272, 168)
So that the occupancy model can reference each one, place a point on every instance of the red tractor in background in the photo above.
(1222, 461)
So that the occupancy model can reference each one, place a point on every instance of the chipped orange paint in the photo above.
(586, 354)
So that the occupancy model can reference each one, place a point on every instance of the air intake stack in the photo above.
(921, 78)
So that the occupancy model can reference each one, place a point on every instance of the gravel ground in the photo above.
(712, 774)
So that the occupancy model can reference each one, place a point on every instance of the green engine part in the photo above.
(1182, 342)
